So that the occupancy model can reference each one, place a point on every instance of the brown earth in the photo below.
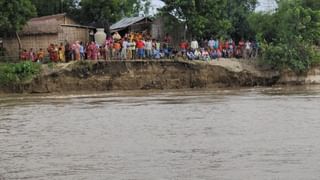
(137, 75)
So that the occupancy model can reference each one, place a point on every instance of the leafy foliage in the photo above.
(289, 35)
(105, 10)
(93, 12)
(296, 57)
(11, 73)
(50, 7)
(14, 14)
(213, 17)
(313, 4)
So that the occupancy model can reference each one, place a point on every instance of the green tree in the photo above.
(49, 7)
(313, 4)
(14, 15)
(289, 35)
(238, 12)
(105, 12)
(93, 12)
(212, 17)
(145, 6)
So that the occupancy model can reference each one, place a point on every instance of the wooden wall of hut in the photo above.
(32, 41)
(72, 34)
(66, 33)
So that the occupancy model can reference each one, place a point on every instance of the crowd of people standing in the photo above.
(142, 46)
(215, 49)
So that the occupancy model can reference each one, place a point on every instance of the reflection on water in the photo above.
(261, 133)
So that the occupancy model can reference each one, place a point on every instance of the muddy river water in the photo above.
(227, 134)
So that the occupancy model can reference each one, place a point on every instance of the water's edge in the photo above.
(165, 74)
(224, 134)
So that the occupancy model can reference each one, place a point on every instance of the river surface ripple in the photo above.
(260, 133)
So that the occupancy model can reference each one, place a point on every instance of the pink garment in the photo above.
(32, 56)
(77, 51)
(109, 42)
(94, 51)
(88, 51)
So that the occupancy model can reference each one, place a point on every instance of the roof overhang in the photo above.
(127, 22)
(78, 26)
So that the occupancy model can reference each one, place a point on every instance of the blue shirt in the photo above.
(81, 49)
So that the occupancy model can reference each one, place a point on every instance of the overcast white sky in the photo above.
(263, 4)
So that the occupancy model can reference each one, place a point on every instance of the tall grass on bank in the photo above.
(14, 73)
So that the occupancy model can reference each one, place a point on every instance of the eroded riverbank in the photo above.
(137, 75)
(165, 74)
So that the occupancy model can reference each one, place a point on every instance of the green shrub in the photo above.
(289, 35)
(11, 73)
(297, 57)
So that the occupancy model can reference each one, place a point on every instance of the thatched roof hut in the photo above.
(34, 27)
(41, 31)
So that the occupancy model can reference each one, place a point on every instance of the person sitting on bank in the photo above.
(156, 54)
(205, 55)
(190, 55)
(213, 54)
(197, 54)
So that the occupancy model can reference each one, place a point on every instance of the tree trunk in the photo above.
(19, 41)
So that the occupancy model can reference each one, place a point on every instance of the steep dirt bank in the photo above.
(135, 75)
(310, 77)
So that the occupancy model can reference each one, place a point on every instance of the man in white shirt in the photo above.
(124, 49)
(194, 44)
(148, 48)
(247, 51)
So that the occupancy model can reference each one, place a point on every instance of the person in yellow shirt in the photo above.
(40, 55)
(61, 53)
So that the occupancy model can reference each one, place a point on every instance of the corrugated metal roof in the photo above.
(125, 22)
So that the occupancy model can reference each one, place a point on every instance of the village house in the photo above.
(41, 31)
(156, 27)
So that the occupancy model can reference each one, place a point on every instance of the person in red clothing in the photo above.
(140, 46)
(167, 39)
(24, 55)
(50, 50)
(226, 45)
(241, 45)
(183, 47)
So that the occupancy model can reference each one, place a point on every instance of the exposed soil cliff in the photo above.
(310, 77)
(135, 75)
